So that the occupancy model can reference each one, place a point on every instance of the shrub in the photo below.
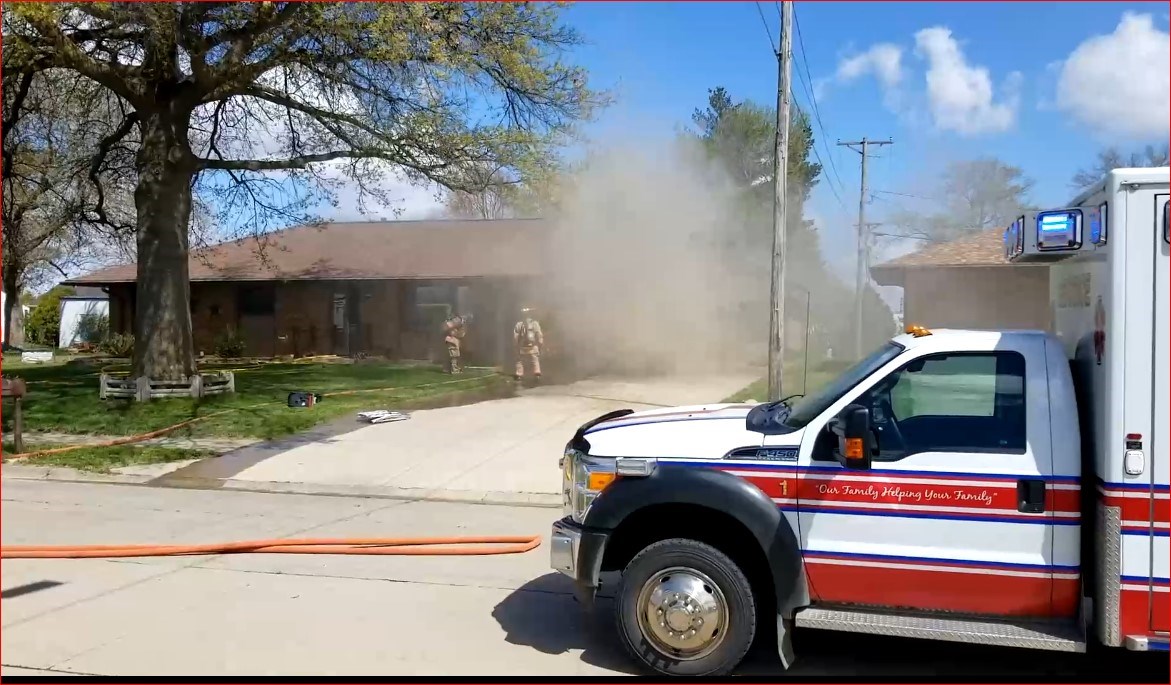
(44, 321)
(93, 327)
(230, 344)
(117, 345)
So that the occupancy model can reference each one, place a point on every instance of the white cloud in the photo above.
(960, 96)
(883, 60)
(1118, 84)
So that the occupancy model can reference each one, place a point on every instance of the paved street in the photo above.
(330, 615)
(509, 447)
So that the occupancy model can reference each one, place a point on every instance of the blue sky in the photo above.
(1023, 82)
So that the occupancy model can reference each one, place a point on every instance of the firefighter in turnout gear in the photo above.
(529, 341)
(454, 329)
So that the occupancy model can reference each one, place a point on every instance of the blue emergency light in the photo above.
(1014, 239)
(1098, 225)
(1059, 230)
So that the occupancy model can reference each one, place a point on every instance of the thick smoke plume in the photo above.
(647, 275)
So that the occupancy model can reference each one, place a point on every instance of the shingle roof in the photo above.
(978, 248)
(87, 293)
(367, 250)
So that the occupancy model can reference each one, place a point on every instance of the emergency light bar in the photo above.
(1059, 230)
(1047, 236)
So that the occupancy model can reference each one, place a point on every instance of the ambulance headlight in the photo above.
(586, 478)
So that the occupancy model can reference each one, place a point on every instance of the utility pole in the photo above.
(776, 342)
(862, 147)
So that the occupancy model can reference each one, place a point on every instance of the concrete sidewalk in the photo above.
(500, 451)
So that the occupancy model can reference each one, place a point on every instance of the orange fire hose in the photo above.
(438, 546)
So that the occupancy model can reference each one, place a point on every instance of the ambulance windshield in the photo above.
(811, 406)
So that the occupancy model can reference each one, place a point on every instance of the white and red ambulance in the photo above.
(994, 487)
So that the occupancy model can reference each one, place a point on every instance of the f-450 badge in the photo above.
(786, 454)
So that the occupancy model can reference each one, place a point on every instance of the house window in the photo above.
(431, 305)
(963, 403)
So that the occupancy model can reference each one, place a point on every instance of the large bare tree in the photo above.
(258, 101)
(1112, 158)
(975, 194)
(489, 193)
(52, 120)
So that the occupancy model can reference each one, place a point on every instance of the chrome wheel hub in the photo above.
(682, 613)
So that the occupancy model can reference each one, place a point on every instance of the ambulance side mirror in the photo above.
(856, 440)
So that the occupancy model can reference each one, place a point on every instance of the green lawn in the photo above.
(12, 361)
(64, 398)
(105, 459)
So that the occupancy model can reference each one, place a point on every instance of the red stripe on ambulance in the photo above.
(939, 585)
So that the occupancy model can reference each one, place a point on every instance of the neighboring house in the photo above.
(84, 301)
(967, 283)
(378, 288)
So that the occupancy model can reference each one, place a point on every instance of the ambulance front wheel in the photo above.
(685, 609)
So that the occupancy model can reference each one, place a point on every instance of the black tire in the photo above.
(739, 629)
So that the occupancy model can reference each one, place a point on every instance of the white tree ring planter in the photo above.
(143, 389)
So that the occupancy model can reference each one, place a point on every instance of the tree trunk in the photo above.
(163, 347)
(13, 321)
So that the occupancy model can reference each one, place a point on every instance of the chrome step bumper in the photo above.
(1060, 637)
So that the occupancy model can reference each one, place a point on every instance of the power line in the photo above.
(817, 155)
(829, 179)
(904, 236)
(807, 82)
(772, 43)
(809, 97)
(830, 183)
(917, 197)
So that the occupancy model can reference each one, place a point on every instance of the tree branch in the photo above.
(299, 162)
(67, 53)
(104, 148)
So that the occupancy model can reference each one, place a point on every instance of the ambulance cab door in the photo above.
(957, 512)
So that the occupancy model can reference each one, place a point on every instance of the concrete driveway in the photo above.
(502, 451)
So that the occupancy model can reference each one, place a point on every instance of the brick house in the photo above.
(967, 283)
(378, 288)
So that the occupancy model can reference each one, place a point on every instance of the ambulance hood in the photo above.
(708, 431)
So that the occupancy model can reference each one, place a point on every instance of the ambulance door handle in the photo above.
(1030, 495)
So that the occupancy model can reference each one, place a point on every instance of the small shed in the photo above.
(79, 311)
(967, 283)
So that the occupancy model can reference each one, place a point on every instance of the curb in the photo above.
(499, 498)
